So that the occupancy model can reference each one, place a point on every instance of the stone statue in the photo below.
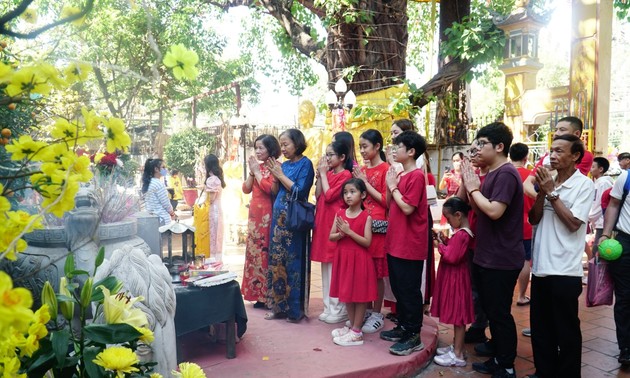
(81, 224)
(147, 276)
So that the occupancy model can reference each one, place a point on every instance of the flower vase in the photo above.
(190, 196)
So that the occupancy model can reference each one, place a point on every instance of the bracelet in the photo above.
(607, 236)
(393, 190)
(472, 191)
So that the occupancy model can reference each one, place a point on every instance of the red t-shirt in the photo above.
(407, 235)
(584, 166)
(528, 202)
(472, 217)
(376, 178)
(606, 198)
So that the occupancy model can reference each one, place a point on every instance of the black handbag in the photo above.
(379, 226)
(300, 213)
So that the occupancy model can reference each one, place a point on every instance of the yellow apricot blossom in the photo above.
(92, 122)
(15, 306)
(27, 80)
(77, 71)
(56, 188)
(5, 72)
(117, 137)
(119, 360)
(182, 61)
(11, 367)
(69, 11)
(51, 74)
(29, 15)
(5, 205)
(63, 129)
(25, 148)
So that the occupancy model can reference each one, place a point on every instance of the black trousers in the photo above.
(405, 278)
(496, 288)
(620, 271)
(556, 334)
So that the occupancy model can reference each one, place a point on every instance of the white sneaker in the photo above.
(445, 350)
(337, 332)
(365, 318)
(449, 359)
(349, 339)
(374, 323)
(322, 317)
(333, 319)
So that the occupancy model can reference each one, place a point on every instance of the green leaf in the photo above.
(65, 298)
(42, 360)
(60, 341)
(79, 272)
(100, 257)
(92, 369)
(109, 282)
(69, 265)
(111, 333)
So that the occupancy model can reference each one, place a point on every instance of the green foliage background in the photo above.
(182, 149)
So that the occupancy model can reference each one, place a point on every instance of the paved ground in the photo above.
(599, 346)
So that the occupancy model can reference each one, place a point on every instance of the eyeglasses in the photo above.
(482, 143)
(473, 151)
(330, 155)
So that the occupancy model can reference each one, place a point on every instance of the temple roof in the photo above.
(523, 12)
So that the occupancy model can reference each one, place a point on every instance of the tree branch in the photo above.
(104, 90)
(5, 19)
(300, 37)
(281, 10)
(450, 72)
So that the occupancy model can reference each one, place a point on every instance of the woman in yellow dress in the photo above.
(201, 221)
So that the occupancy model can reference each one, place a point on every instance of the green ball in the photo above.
(610, 249)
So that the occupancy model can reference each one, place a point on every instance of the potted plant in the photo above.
(182, 151)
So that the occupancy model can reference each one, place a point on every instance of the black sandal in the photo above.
(275, 315)
(295, 320)
(259, 305)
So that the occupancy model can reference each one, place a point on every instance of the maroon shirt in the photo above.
(500, 242)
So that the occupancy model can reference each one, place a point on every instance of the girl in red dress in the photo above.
(333, 170)
(259, 184)
(354, 277)
(373, 175)
(452, 298)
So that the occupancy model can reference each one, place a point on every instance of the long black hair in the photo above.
(359, 184)
(341, 148)
(212, 166)
(375, 137)
(149, 170)
(348, 139)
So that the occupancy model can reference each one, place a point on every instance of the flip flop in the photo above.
(523, 303)
(275, 315)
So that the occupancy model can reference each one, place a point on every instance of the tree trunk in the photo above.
(374, 48)
(452, 116)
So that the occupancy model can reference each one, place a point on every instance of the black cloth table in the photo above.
(200, 307)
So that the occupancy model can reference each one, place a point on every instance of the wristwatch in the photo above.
(553, 196)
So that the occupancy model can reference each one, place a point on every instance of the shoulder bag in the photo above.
(600, 285)
(300, 213)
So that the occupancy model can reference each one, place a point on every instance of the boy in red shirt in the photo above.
(407, 242)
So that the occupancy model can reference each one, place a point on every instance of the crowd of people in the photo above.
(373, 231)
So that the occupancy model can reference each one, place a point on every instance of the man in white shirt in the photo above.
(595, 216)
(620, 268)
(561, 212)
(565, 126)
